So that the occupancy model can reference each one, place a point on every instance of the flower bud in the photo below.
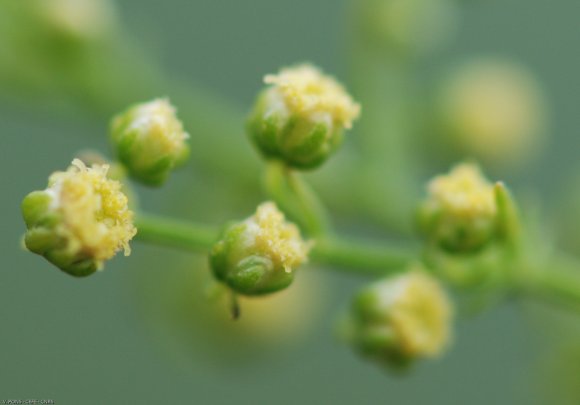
(301, 116)
(259, 255)
(80, 220)
(408, 25)
(78, 19)
(493, 110)
(460, 213)
(401, 319)
(150, 141)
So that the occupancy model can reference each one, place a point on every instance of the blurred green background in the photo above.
(113, 338)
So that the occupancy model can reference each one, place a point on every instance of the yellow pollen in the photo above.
(419, 312)
(464, 192)
(307, 91)
(275, 238)
(96, 219)
(157, 121)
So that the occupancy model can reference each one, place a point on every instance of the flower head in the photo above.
(493, 109)
(269, 234)
(300, 117)
(150, 140)
(461, 209)
(402, 318)
(80, 221)
(464, 192)
(81, 19)
(417, 26)
(259, 255)
(305, 90)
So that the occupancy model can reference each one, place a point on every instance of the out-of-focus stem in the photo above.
(382, 80)
(558, 282)
(294, 195)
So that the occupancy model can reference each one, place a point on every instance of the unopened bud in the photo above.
(493, 110)
(80, 221)
(259, 255)
(408, 26)
(460, 213)
(150, 141)
(300, 118)
(78, 19)
(400, 319)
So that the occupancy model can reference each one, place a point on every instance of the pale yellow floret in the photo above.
(464, 192)
(95, 218)
(271, 235)
(307, 91)
(495, 108)
(156, 121)
(85, 19)
(419, 312)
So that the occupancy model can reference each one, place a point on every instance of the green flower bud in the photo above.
(460, 213)
(408, 25)
(78, 19)
(400, 319)
(259, 255)
(150, 141)
(301, 116)
(81, 220)
(53, 46)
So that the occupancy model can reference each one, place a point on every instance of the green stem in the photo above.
(558, 282)
(296, 198)
(361, 257)
(175, 233)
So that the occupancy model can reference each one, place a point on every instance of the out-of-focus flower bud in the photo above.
(150, 141)
(401, 319)
(78, 19)
(65, 49)
(259, 255)
(460, 213)
(493, 110)
(407, 25)
(301, 116)
(80, 221)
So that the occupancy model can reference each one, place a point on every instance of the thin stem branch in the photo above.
(365, 257)
(174, 233)
(362, 257)
(295, 197)
(558, 282)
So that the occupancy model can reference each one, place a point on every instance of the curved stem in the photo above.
(558, 282)
(296, 198)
